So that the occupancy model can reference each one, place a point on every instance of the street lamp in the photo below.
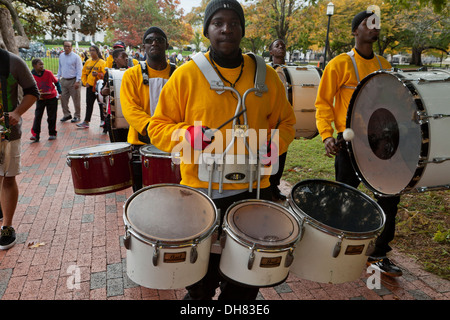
(330, 12)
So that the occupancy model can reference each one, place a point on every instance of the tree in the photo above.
(134, 17)
(425, 29)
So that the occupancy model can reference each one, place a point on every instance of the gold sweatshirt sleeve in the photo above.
(135, 102)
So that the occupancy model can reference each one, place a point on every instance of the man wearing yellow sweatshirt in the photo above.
(339, 80)
(139, 96)
(188, 106)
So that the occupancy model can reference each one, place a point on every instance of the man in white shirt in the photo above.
(69, 76)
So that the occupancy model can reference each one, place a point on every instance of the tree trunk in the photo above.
(8, 39)
(417, 56)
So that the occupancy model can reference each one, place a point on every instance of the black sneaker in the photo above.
(277, 195)
(64, 119)
(385, 266)
(7, 238)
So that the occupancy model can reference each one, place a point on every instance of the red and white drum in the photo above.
(159, 166)
(260, 237)
(339, 228)
(101, 169)
(168, 230)
(401, 122)
(301, 85)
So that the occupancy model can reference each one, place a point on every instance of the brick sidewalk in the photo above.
(83, 235)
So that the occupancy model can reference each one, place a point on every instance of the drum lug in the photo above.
(86, 164)
(337, 247)
(111, 161)
(155, 255)
(69, 162)
(289, 258)
(194, 253)
(251, 259)
(127, 240)
(146, 163)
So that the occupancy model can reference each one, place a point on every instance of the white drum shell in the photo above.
(164, 275)
(313, 257)
(305, 82)
(234, 262)
(118, 119)
(168, 235)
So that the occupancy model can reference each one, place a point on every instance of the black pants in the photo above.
(346, 174)
(52, 109)
(275, 179)
(205, 289)
(91, 97)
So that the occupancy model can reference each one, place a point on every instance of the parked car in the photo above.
(36, 50)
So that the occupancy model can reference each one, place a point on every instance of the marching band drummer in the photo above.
(139, 93)
(187, 100)
(339, 80)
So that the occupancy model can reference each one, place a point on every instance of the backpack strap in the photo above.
(4, 74)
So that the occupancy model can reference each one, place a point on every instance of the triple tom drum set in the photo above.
(324, 232)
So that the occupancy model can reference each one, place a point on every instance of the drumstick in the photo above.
(347, 135)
(210, 133)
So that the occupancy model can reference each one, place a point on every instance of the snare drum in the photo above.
(260, 237)
(168, 232)
(115, 80)
(339, 227)
(159, 166)
(100, 169)
(301, 85)
(401, 122)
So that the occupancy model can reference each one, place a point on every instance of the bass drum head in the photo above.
(263, 223)
(388, 141)
(336, 208)
(170, 213)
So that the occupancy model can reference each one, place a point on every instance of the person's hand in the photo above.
(330, 147)
(197, 137)
(76, 85)
(269, 153)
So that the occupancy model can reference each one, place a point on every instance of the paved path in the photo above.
(82, 254)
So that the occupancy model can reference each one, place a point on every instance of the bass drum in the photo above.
(401, 122)
(301, 84)
(118, 121)
(339, 227)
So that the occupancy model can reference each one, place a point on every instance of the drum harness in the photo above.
(351, 54)
(209, 161)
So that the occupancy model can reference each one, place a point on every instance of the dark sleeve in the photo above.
(22, 74)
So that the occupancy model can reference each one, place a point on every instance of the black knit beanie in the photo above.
(215, 5)
(360, 18)
(154, 30)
